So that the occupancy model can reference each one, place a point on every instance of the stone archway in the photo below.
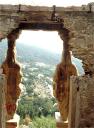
(12, 69)
(76, 19)
(80, 40)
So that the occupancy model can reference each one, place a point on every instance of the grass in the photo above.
(43, 122)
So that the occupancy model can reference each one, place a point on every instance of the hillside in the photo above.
(26, 54)
(38, 67)
(37, 64)
(35, 54)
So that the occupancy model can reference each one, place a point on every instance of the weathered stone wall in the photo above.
(78, 20)
(81, 102)
(8, 22)
(2, 101)
(82, 44)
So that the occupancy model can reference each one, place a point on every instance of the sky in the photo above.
(48, 40)
(47, 2)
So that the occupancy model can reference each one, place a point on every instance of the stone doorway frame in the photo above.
(10, 63)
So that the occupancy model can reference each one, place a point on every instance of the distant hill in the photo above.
(27, 54)
(36, 54)
(38, 67)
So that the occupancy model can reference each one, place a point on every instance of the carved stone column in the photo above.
(61, 80)
(12, 71)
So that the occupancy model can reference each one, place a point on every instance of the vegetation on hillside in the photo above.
(36, 99)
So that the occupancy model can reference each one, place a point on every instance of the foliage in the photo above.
(37, 67)
(43, 122)
(36, 103)
(36, 107)
(34, 75)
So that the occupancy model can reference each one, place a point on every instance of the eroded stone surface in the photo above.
(79, 20)
(86, 102)
(12, 71)
(11, 125)
(80, 23)
(61, 80)
(2, 101)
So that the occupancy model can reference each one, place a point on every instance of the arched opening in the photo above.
(39, 52)
(82, 36)
(65, 33)
(30, 57)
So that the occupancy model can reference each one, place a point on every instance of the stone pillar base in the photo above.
(11, 124)
(61, 125)
(59, 122)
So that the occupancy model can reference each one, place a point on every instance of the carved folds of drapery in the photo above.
(12, 71)
(61, 80)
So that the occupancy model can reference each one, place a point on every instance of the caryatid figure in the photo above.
(61, 81)
(12, 71)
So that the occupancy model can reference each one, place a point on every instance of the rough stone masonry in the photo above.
(80, 22)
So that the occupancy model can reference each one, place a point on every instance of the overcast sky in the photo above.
(47, 2)
(47, 40)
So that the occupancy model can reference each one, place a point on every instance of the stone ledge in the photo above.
(11, 124)
(61, 125)
(59, 122)
(26, 8)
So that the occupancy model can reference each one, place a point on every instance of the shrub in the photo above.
(43, 122)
